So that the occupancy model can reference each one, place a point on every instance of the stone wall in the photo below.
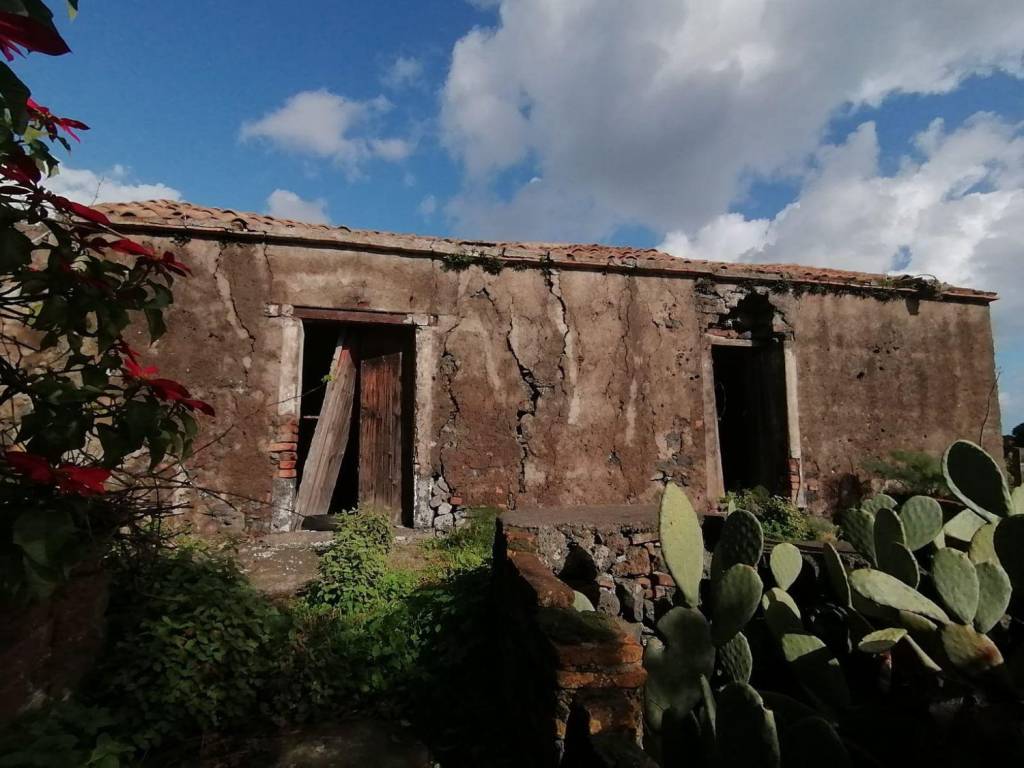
(563, 668)
(554, 386)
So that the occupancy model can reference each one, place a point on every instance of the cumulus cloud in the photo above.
(655, 113)
(324, 124)
(427, 207)
(287, 205)
(113, 186)
(954, 210)
(403, 71)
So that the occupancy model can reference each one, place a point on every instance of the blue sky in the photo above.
(791, 131)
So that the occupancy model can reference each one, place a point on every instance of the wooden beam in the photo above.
(354, 316)
(327, 450)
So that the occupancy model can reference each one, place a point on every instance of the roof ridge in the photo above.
(165, 214)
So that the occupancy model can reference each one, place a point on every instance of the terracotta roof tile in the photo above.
(176, 216)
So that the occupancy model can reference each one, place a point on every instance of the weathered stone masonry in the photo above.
(553, 375)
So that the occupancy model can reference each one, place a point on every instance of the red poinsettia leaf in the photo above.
(35, 468)
(31, 34)
(82, 211)
(22, 169)
(131, 247)
(168, 389)
(199, 405)
(134, 369)
(82, 480)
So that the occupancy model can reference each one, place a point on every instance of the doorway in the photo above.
(355, 424)
(750, 405)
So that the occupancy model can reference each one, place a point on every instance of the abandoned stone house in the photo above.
(523, 374)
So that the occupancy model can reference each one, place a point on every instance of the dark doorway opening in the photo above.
(376, 467)
(750, 401)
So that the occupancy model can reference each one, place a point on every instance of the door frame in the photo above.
(714, 475)
(290, 318)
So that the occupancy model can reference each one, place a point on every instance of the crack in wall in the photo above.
(448, 367)
(234, 316)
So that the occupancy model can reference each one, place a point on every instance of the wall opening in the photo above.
(374, 461)
(750, 405)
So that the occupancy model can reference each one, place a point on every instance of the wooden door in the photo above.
(380, 427)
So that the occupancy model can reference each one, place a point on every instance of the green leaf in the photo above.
(42, 534)
(15, 93)
(155, 321)
(15, 249)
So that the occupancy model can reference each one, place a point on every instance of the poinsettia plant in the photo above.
(84, 421)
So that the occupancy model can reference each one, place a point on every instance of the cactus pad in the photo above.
(739, 592)
(735, 661)
(922, 521)
(781, 613)
(983, 545)
(877, 502)
(963, 526)
(888, 591)
(682, 543)
(994, 592)
(816, 669)
(1009, 543)
(785, 563)
(888, 528)
(956, 581)
(814, 742)
(746, 730)
(740, 542)
(836, 574)
(975, 478)
(859, 529)
(1017, 498)
(674, 670)
(897, 560)
(881, 640)
(969, 651)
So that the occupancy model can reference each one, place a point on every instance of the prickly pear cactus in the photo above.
(858, 528)
(785, 563)
(922, 521)
(740, 542)
(882, 589)
(736, 600)
(877, 502)
(1009, 545)
(682, 542)
(956, 581)
(975, 478)
(994, 592)
(735, 660)
(897, 560)
(836, 575)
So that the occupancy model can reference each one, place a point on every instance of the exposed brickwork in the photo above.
(284, 450)
(562, 664)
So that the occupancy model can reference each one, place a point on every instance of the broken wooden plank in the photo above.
(327, 449)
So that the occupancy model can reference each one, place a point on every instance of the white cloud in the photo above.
(427, 207)
(285, 204)
(113, 186)
(656, 112)
(403, 71)
(324, 124)
(954, 211)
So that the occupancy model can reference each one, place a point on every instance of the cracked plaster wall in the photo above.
(559, 387)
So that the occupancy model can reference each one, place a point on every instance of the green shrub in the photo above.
(914, 473)
(66, 735)
(192, 644)
(355, 578)
(780, 518)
